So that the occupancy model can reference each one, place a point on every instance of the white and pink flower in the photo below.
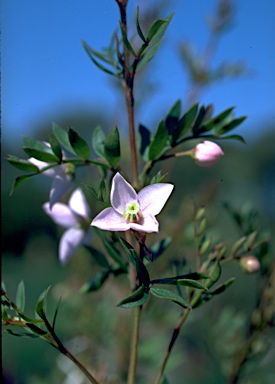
(131, 210)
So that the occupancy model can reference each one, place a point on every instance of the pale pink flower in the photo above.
(76, 217)
(131, 210)
(207, 153)
(250, 264)
(62, 179)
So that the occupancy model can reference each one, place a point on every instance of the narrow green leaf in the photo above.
(96, 282)
(40, 155)
(228, 127)
(232, 137)
(155, 28)
(159, 141)
(41, 304)
(62, 137)
(36, 144)
(126, 41)
(98, 139)
(139, 31)
(144, 141)
(159, 247)
(199, 121)
(153, 46)
(184, 124)
(173, 117)
(78, 144)
(112, 147)
(91, 54)
(20, 296)
(55, 147)
(221, 288)
(169, 295)
(56, 312)
(36, 330)
(23, 165)
(157, 178)
(19, 180)
(102, 56)
(138, 298)
(214, 274)
(98, 256)
(218, 121)
(21, 334)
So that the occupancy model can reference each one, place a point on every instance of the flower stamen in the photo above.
(132, 212)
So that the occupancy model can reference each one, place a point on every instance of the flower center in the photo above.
(132, 213)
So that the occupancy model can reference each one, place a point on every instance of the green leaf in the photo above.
(126, 41)
(98, 139)
(144, 141)
(55, 147)
(169, 295)
(232, 137)
(96, 282)
(19, 180)
(112, 251)
(112, 147)
(40, 155)
(159, 141)
(214, 274)
(173, 117)
(36, 330)
(159, 247)
(56, 312)
(221, 288)
(184, 124)
(62, 137)
(91, 53)
(78, 144)
(21, 334)
(157, 178)
(20, 296)
(139, 31)
(141, 270)
(138, 298)
(23, 165)
(218, 121)
(199, 121)
(36, 144)
(228, 127)
(153, 46)
(98, 256)
(156, 28)
(41, 304)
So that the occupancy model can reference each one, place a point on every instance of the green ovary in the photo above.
(132, 213)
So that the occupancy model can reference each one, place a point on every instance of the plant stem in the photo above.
(174, 337)
(67, 353)
(134, 346)
(128, 82)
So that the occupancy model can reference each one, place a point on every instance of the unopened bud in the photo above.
(207, 153)
(250, 264)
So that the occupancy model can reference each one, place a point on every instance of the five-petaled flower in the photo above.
(131, 210)
(207, 153)
(76, 217)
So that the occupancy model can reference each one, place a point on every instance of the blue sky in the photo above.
(45, 70)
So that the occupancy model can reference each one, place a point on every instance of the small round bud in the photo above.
(207, 153)
(250, 264)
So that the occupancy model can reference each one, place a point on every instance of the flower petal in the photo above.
(153, 198)
(60, 185)
(122, 193)
(110, 220)
(78, 204)
(69, 243)
(148, 224)
(61, 214)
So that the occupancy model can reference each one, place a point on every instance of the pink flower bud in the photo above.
(250, 264)
(207, 153)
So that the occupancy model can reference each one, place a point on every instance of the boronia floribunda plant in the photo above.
(131, 199)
